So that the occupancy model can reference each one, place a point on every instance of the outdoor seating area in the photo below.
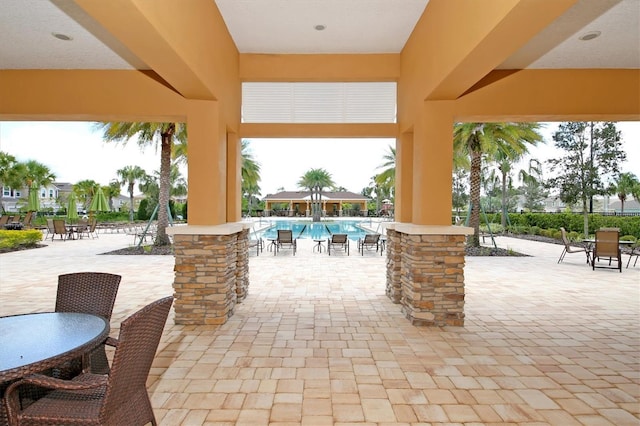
(54, 367)
(604, 251)
(331, 347)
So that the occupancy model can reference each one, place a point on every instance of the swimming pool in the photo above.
(316, 230)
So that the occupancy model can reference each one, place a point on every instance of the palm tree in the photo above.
(147, 134)
(11, 172)
(128, 176)
(250, 172)
(85, 190)
(149, 185)
(111, 191)
(627, 184)
(315, 180)
(35, 175)
(387, 178)
(477, 139)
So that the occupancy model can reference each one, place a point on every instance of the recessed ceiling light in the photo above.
(320, 27)
(590, 35)
(62, 37)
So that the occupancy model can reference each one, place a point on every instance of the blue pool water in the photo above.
(316, 230)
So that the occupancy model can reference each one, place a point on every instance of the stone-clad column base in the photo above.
(431, 279)
(394, 266)
(211, 272)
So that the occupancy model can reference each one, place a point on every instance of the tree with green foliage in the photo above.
(532, 188)
(35, 174)
(146, 134)
(627, 184)
(475, 140)
(250, 173)
(11, 172)
(386, 179)
(315, 180)
(592, 161)
(150, 188)
(85, 190)
(128, 176)
(459, 195)
(111, 191)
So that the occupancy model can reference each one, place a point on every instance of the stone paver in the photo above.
(317, 342)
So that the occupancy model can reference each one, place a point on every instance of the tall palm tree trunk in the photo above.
(474, 218)
(162, 238)
(503, 219)
(131, 186)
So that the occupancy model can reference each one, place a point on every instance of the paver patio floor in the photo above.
(317, 342)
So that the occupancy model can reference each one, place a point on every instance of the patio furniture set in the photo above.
(54, 368)
(603, 251)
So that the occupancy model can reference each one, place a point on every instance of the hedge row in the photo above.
(629, 225)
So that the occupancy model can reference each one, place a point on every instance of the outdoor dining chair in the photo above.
(635, 252)
(607, 246)
(88, 293)
(568, 248)
(119, 398)
(60, 228)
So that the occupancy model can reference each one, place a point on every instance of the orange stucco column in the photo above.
(234, 181)
(433, 164)
(404, 183)
(207, 164)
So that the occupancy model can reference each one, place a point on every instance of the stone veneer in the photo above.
(425, 272)
(211, 272)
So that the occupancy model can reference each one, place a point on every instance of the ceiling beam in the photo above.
(162, 34)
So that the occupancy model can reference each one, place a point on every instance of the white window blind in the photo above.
(319, 102)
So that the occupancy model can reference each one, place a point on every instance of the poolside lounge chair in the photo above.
(369, 242)
(27, 221)
(340, 241)
(607, 246)
(285, 240)
(568, 248)
(4, 219)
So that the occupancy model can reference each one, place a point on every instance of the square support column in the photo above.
(430, 284)
(211, 272)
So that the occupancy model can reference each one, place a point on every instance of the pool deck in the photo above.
(317, 342)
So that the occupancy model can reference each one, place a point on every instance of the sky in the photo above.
(74, 151)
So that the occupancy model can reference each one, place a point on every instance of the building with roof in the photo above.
(298, 203)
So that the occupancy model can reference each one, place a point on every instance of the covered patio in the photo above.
(557, 348)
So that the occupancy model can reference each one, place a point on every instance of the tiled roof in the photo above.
(326, 195)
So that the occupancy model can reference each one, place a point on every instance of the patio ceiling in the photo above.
(288, 26)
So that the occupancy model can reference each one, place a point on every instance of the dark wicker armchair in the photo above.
(88, 293)
(119, 398)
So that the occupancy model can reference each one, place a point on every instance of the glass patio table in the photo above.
(33, 343)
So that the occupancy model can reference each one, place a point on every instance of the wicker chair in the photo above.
(119, 398)
(338, 241)
(88, 293)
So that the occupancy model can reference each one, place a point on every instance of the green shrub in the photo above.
(12, 239)
(573, 236)
(534, 230)
(143, 214)
(628, 238)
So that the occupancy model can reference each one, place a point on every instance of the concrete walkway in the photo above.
(317, 342)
